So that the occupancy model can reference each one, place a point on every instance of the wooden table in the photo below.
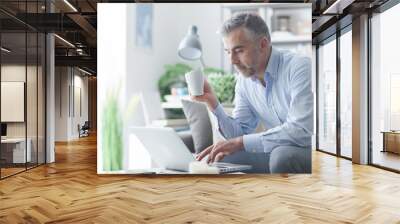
(391, 141)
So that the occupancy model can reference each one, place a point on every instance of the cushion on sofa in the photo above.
(199, 122)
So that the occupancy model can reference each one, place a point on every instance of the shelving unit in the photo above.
(297, 35)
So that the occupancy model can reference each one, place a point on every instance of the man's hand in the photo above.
(223, 148)
(208, 97)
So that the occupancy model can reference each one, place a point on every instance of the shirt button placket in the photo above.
(269, 95)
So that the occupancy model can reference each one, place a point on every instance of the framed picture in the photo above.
(144, 25)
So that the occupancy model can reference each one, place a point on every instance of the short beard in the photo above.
(246, 72)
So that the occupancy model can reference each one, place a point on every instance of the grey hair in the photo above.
(251, 21)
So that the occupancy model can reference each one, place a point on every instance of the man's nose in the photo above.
(234, 59)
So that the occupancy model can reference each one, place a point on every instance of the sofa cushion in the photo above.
(199, 122)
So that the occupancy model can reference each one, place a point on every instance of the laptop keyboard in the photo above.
(228, 167)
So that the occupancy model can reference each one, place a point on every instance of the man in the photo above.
(274, 88)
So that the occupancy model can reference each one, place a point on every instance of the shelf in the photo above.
(173, 102)
(169, 105)
(291, 39)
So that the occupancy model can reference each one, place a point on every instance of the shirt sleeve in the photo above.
(253, 142)
(243, 120)
(298, 127)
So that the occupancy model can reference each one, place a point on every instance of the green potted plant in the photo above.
(222, 82)
(210, 70)
(113, 122)
(112, 133)
(223, 85)
(173, 75)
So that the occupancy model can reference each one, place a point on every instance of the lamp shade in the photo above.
(190, 46)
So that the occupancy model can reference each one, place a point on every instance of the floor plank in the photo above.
(70, 191)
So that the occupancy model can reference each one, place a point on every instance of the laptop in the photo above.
(168, 150)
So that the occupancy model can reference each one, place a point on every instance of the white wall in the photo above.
(33, 126)
(111, 61)
(16, 72)
(170, 25)
(67, 81)
(61, 103)
(120, 61)
(207, 18)
(81, 83)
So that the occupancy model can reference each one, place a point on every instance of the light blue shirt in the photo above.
(285, 106)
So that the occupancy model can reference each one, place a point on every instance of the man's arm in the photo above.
(243, 120)
(298, 127)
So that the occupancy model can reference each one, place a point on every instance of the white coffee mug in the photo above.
(195, 82)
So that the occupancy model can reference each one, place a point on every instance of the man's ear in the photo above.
(264, 43)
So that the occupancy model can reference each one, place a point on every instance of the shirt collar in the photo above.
(273, 63)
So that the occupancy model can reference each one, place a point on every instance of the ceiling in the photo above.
(330, 15)
(76, 22)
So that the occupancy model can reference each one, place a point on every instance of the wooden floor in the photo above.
(70, 191)
(10, 171)
(387, 159)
